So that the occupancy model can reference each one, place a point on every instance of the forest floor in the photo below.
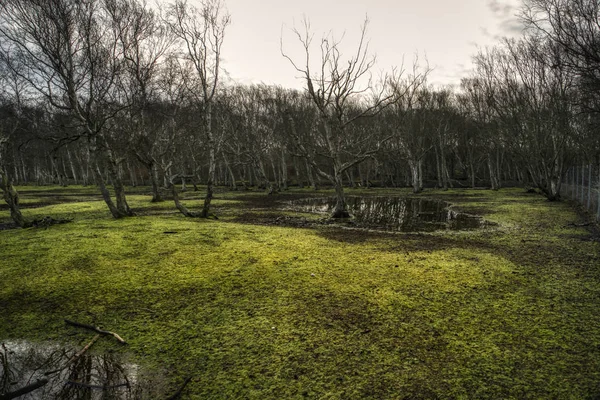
(267, 304)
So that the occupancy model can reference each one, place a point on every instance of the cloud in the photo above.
(485, 32)
(501, 9)
(511, 27)
(509, 24)
(450, 75)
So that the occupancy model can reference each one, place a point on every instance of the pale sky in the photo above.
(446, 31)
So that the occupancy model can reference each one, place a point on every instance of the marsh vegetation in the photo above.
(252, 306)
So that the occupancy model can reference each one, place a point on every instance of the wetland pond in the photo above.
(54, 371)
(395, 213)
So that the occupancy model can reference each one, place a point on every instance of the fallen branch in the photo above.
(24, 390)
(177, 394)
(96, 329)
(75, 357)
(87, 346)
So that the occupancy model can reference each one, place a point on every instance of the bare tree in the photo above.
(343, 92)
(469, 141)
(574, 26)
(11, 89)
(410, 124)
(146, 42)
(526, 97)
(478, 93)
(202, 32)
(71, 57)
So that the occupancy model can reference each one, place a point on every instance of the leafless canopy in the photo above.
(202, 32)
(337, 82)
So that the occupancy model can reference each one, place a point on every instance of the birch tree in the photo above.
(343, 91)
(11, 88)
(72, 59)
(146, 44)
(202, 32)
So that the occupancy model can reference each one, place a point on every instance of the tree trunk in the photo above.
(494, 180)
(276, 178)
(210, 142)
(311, 177)
(284, 174)
(341, 207)
(132, 177)
(73, 170)
(230, 171)
(420, 165)
(16, 168)
(444, 169)
(183, 185)
(361, 176)
(260, 169)
(153, 174)
(84, 166)
(182, 209)
(93, 151)
(350, 178)
(415, 176)
(105, 193)
(117, 182)
(555, 181)
(438, 166)
(298, 174)
(11, 197)
(65, 173)
(24, 170)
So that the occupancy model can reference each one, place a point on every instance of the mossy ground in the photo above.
(275, 312)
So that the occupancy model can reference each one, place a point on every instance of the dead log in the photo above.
(96, 329)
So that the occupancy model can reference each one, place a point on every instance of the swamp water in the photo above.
(395, 213)
(62, 375)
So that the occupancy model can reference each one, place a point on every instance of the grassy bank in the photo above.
(253, 310)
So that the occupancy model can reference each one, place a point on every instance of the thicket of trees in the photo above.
(114, 92)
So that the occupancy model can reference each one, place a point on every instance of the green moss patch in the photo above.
(259, 311)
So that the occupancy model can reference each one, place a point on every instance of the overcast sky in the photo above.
(446, 31)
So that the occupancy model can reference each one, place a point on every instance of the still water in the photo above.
(395, 213)
(62, 375)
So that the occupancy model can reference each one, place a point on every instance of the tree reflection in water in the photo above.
(89, 377)
(395, 213)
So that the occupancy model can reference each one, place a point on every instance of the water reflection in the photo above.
(62, 375)
(395, 213)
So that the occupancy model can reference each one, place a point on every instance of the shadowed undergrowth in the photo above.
(258, 311)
